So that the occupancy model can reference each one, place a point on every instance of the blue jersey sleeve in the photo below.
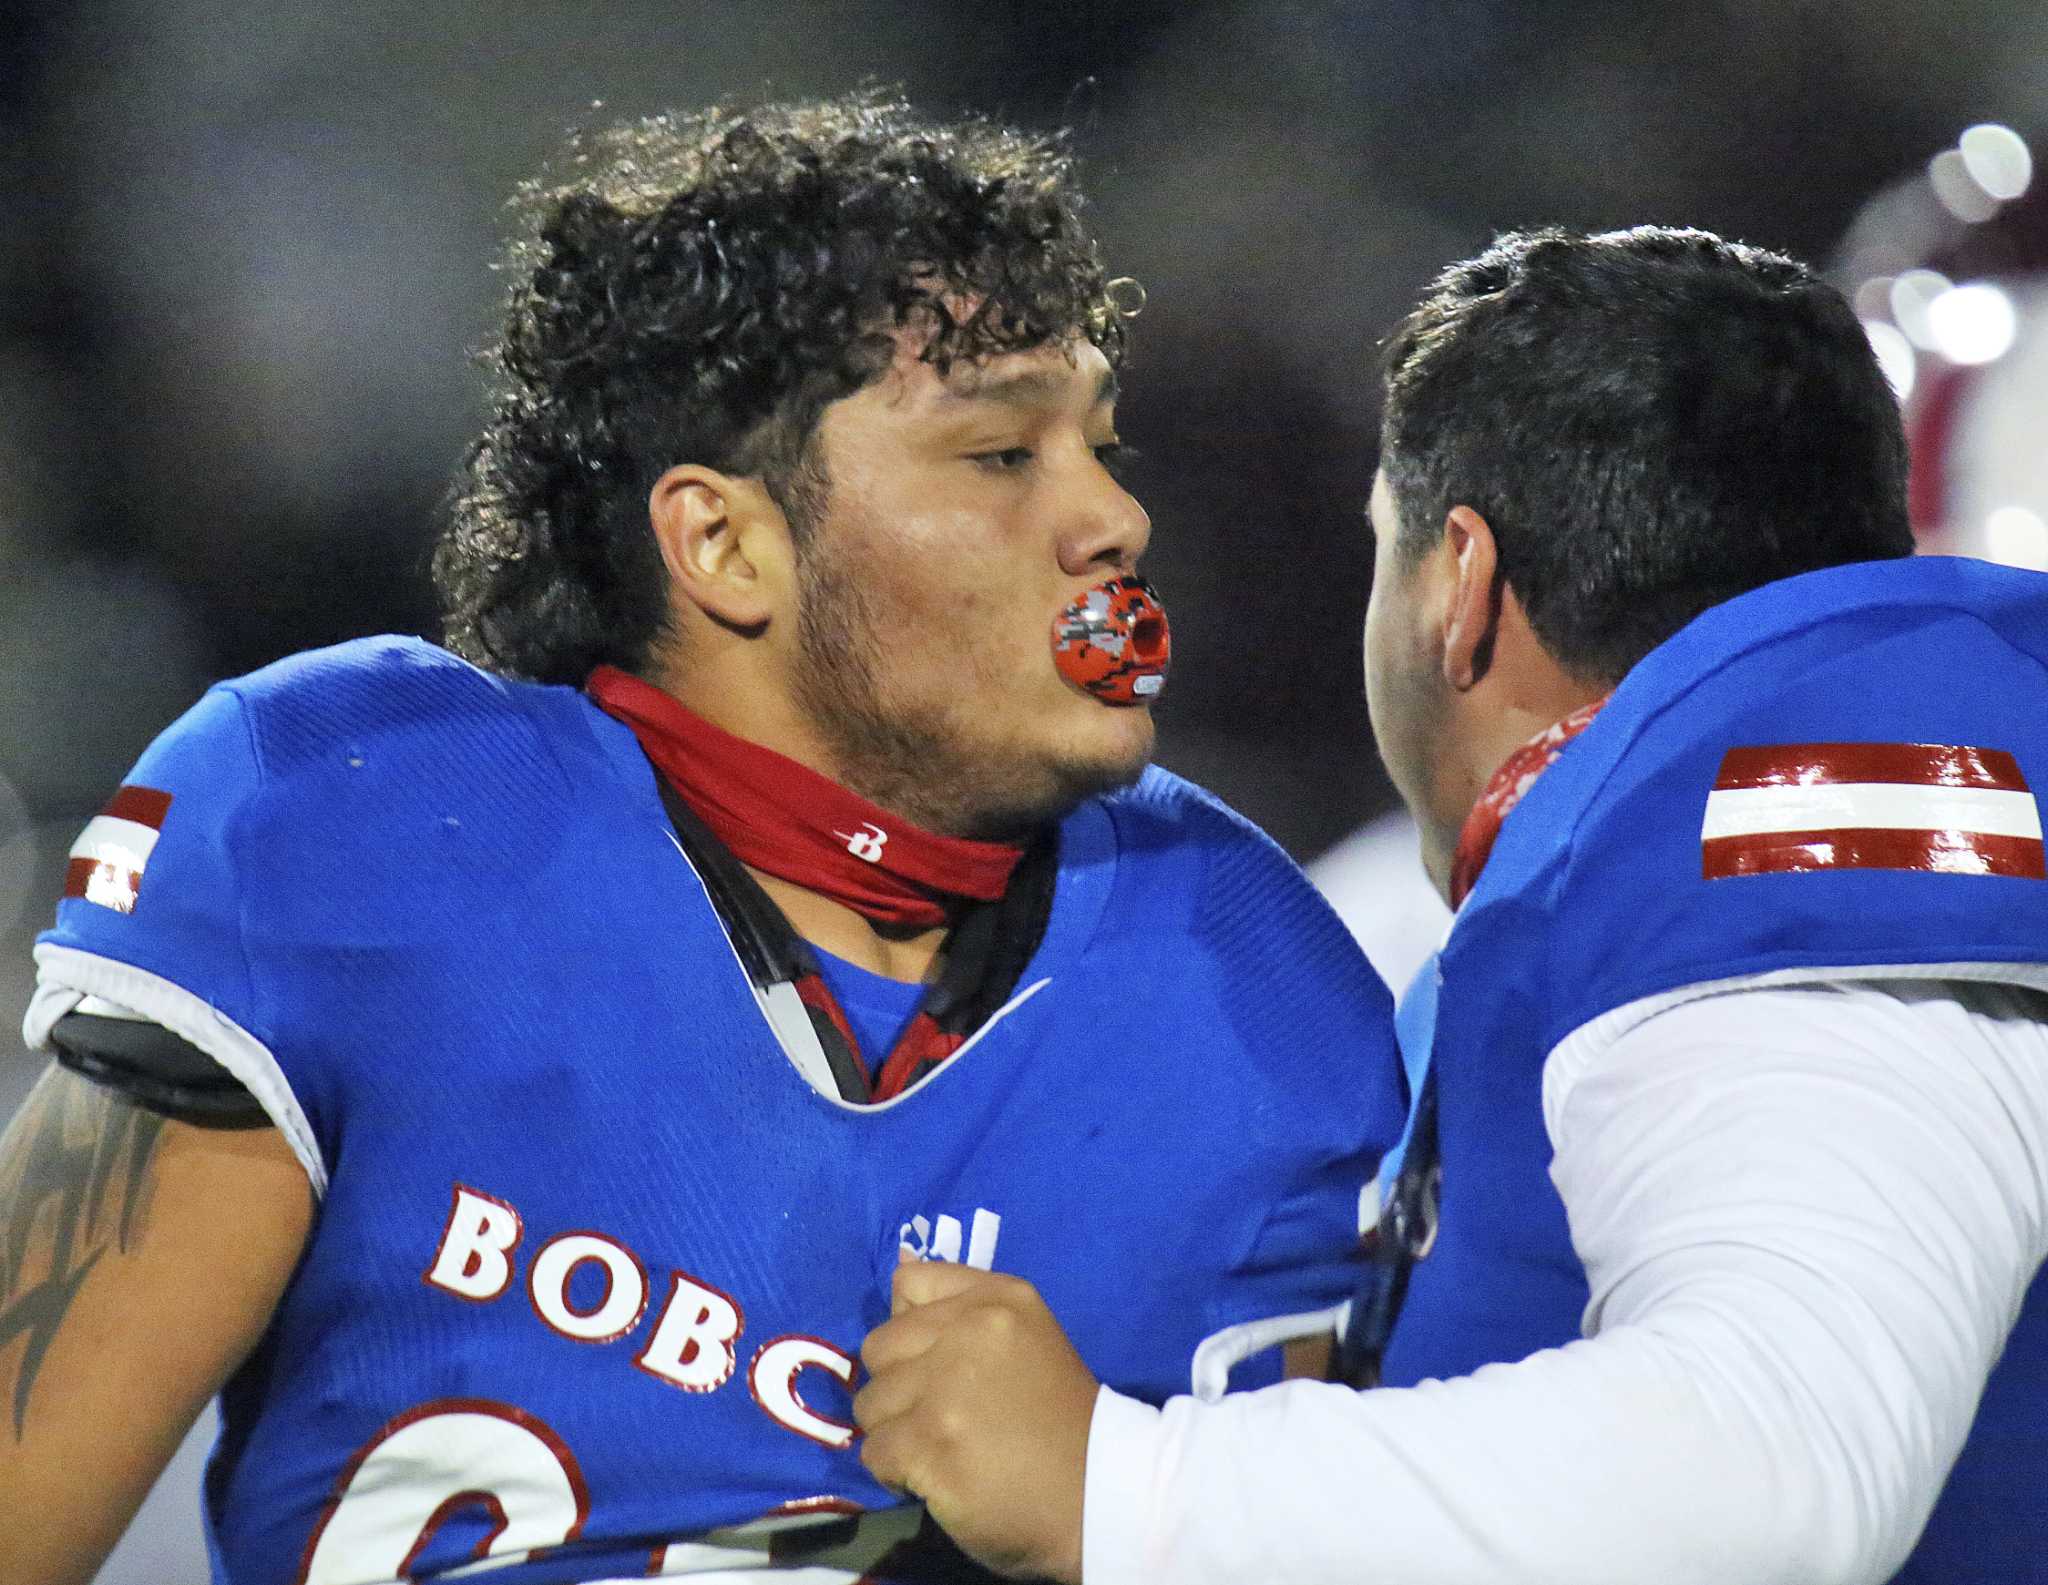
(154, 907)
(1839, 772)
(153, 882)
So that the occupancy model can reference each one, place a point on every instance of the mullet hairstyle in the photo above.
(698, 289)
(1651, 421)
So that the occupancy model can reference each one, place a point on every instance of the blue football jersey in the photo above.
(593, 1259)
(1628, 872)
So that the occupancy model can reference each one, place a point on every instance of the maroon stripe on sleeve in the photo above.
(144, 805)
(76, 874)
(1943, 852)
(1914, 764)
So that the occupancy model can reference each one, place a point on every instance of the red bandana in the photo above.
(786, 820)
(1517, 774)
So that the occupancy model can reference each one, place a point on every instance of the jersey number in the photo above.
(516, 1471)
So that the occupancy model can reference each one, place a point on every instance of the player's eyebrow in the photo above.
(1025, 388)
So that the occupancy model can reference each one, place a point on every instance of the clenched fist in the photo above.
(977, 1403)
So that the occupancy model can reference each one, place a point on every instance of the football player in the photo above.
(1714, 1255)
(512, 1077)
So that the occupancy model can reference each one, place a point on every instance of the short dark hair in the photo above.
(698, 288)
(1651, 421)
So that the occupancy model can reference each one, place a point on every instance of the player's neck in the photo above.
(894, 952)
(1524, 692)
(733, 698)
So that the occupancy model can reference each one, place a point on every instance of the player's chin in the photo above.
(1110, 749)
(1069, 770)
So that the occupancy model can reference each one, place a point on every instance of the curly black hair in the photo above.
(698, 288)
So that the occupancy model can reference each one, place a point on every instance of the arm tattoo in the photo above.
(74, 1180)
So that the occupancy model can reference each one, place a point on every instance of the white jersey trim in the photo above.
(1220, 1352)
(67, 977)
(790, 1023)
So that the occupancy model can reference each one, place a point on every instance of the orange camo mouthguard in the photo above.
(1113, 642)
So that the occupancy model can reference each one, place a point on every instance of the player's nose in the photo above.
(1105, 529)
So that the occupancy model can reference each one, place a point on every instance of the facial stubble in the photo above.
(915, 759)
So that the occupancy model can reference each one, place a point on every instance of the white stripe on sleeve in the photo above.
(1869, 806)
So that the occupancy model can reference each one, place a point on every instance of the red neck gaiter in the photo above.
(1517, 774)
(786, 820)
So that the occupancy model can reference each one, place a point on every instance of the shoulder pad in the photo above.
(1860, 690)
(156, 1069)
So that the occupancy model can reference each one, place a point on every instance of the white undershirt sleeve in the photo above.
(1808, 1216)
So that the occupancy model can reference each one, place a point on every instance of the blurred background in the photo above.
(246, 246)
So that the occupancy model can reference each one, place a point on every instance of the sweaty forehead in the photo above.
(1057, 380)
(1058, 374)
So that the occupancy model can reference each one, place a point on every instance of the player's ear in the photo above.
(725, 544)
(1472, 616)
